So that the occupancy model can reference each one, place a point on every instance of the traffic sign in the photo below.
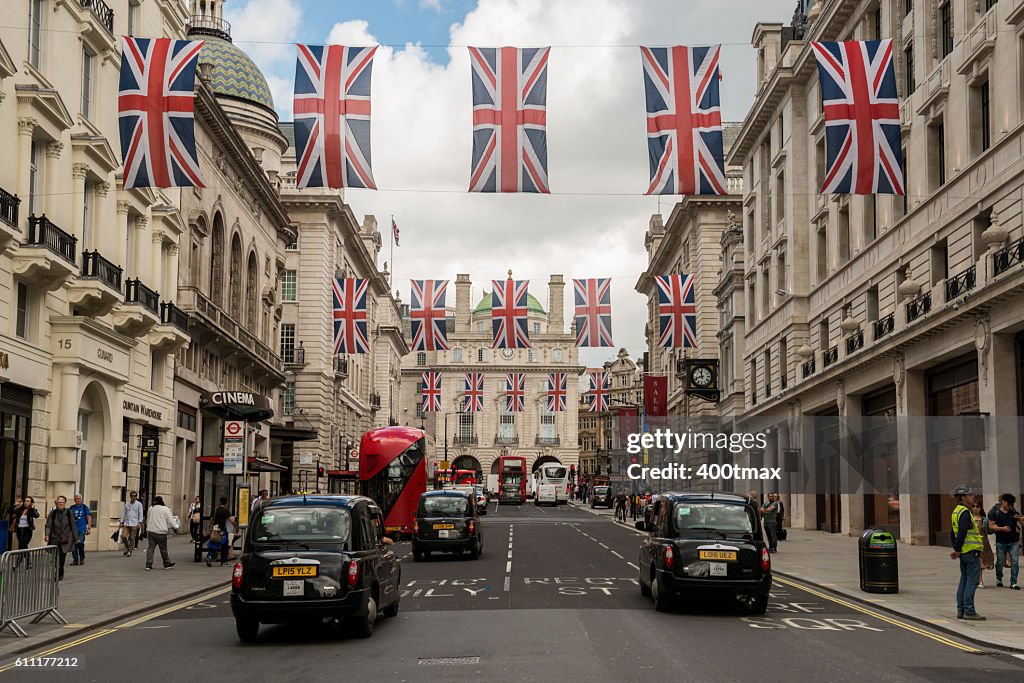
(234, 430)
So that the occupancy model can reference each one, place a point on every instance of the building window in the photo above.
(783, 363)
(294, 245)
(780, 200)
(780, 276)
(946, 28)
(22, 314)
(479, 327)
(547, 426)
(870, 219)
(288, 342)
(87, 73)
(34, 168)
(824, 337)
(481, 355)
(466, 427)
(821, 159)
(981, 113)
(456, 355)
(877, 23)
(289, 285)
(86, 241)
(187, 420)
(844, 235)
(421, 358)
(939, 261)
(35, 32)
(908, 7)
(288, 399)
(911, 82)
(937, 154)
(531, 355)
(133, 17)
(536, 328)
(557, 355)
(506, 424)
(871, 303)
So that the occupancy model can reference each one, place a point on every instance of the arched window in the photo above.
(251, 318)
(217, 261)
(235, 280)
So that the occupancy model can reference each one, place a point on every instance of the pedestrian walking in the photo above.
(967, 547)
(620, 506)
(780, 530)
(988, 560)
(1004, 522)
(23, 521)
(159, 522)
(60, 531)
(195, 520)
(131, 523)
(83, 525)
(219, 541)
(769, 512)
(260, 500)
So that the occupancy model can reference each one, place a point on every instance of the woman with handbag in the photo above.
(988, 560)
(195, 520)
(22, 522)
(61, 531)
(218, 541)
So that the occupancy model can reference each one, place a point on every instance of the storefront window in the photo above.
(881, 462)
(15, 428)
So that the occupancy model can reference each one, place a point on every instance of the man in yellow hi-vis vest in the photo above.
(967, 546)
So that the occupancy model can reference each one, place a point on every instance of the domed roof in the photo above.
(234, 73)
(532, 305)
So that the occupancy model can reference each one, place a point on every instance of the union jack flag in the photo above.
(862, 117)
(515, 392)
(684, 122)
(156, 112)
(510, 140)
(509, 314)
(593, 312)
(474, 393)
(600, 384)
(558, 386)
(431, 392)
(427, 312)
(332, 116)
(677, 312)
(350, 315)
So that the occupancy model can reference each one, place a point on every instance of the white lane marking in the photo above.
(508, 583)
(510, 553)
(602, 545)
(617, 555)
(508, 567)
(633, 566)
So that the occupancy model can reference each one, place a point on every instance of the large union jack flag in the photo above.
(510, 143)
(862, 118)
(515, 392)
(428, 315)
(156, 112)
(509, 314)
(474, 399)
(677, 312)
(431, 392)
(599, 386)
(332, 116)
(684, 122)
(350, 315)
(558, 387)
(593, 312)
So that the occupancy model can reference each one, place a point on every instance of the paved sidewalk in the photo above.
(928, 580)
(110, 587)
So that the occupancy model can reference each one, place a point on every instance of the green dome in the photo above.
(532, 305)
(234, 73)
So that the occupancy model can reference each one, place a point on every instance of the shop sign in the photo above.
(143, 410)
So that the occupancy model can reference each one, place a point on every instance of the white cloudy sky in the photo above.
(593, 224)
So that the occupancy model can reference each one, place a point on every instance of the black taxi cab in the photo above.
(705, 544)
(447, 521)
(315, 557)
(602, 495)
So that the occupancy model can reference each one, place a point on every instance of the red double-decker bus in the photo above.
(456, 477)
(512, 479)
(393, 472)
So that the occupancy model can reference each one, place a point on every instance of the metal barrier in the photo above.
(29, 587)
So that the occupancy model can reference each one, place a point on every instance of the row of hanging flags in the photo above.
(514, 399)
(677, 313)
(684, 122)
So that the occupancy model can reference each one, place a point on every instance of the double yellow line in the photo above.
(128, 624)
(881, 617)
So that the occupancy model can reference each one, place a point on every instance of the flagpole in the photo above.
(392, 231)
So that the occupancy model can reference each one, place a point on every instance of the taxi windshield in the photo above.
(302, 525)
(724, 518)
(601, 490)
(434, 506)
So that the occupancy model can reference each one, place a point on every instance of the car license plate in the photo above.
(303, 570)
(726, 555)
(293, 588)
(719, 569)
(444, 526)
(443, 533)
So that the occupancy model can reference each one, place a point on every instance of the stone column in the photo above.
(62, 439)
(170, 292)
(912, 444)
(79, 172)
(121, 235)
(26, 127)
(104, 232)
(156, 255)
(139, 242)
(50, 200)
(997, 390)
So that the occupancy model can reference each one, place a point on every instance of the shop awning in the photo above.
(293, 434)
(344, 474)
(255, 464)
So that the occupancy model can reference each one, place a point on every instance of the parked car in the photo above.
(446, 521)
(705, 544)
(602, 496)
(315, 556)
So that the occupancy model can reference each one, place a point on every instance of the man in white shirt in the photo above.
(131, 523)
(159, 523)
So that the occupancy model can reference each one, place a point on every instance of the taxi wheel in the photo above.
(247, 629)
(417, 556)
(662, 600)
(474, 552)
(392, 609)
(645, 590)
(758, 604)
(363, 628)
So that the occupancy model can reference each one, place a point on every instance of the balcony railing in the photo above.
(961, 283)
(174, 316)
(137, 293)
(884, 326)
(341, 366)
(855, 343)
(43, 233)
(1010, 255)
(505, 439)
(95, 266)
(9, 208)
(829, 356)
(101, 11)
(217, 318)
(209, 26)
(809, 368)
(919, 306)
(465, 439)
(548, 440)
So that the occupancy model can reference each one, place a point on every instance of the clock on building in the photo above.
(702, 378)
(507, 353)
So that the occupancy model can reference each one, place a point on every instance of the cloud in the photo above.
(266, 30)
(431, 4)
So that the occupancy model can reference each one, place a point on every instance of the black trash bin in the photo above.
(879, 568)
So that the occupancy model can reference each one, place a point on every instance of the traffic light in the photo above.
(320, 472)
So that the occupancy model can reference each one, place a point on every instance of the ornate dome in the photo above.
(234, 73)
(532, 305)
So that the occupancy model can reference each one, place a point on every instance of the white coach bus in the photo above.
(557, 475)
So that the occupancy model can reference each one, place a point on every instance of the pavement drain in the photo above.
(447, 661)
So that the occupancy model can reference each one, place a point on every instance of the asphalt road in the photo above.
(554, 597)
